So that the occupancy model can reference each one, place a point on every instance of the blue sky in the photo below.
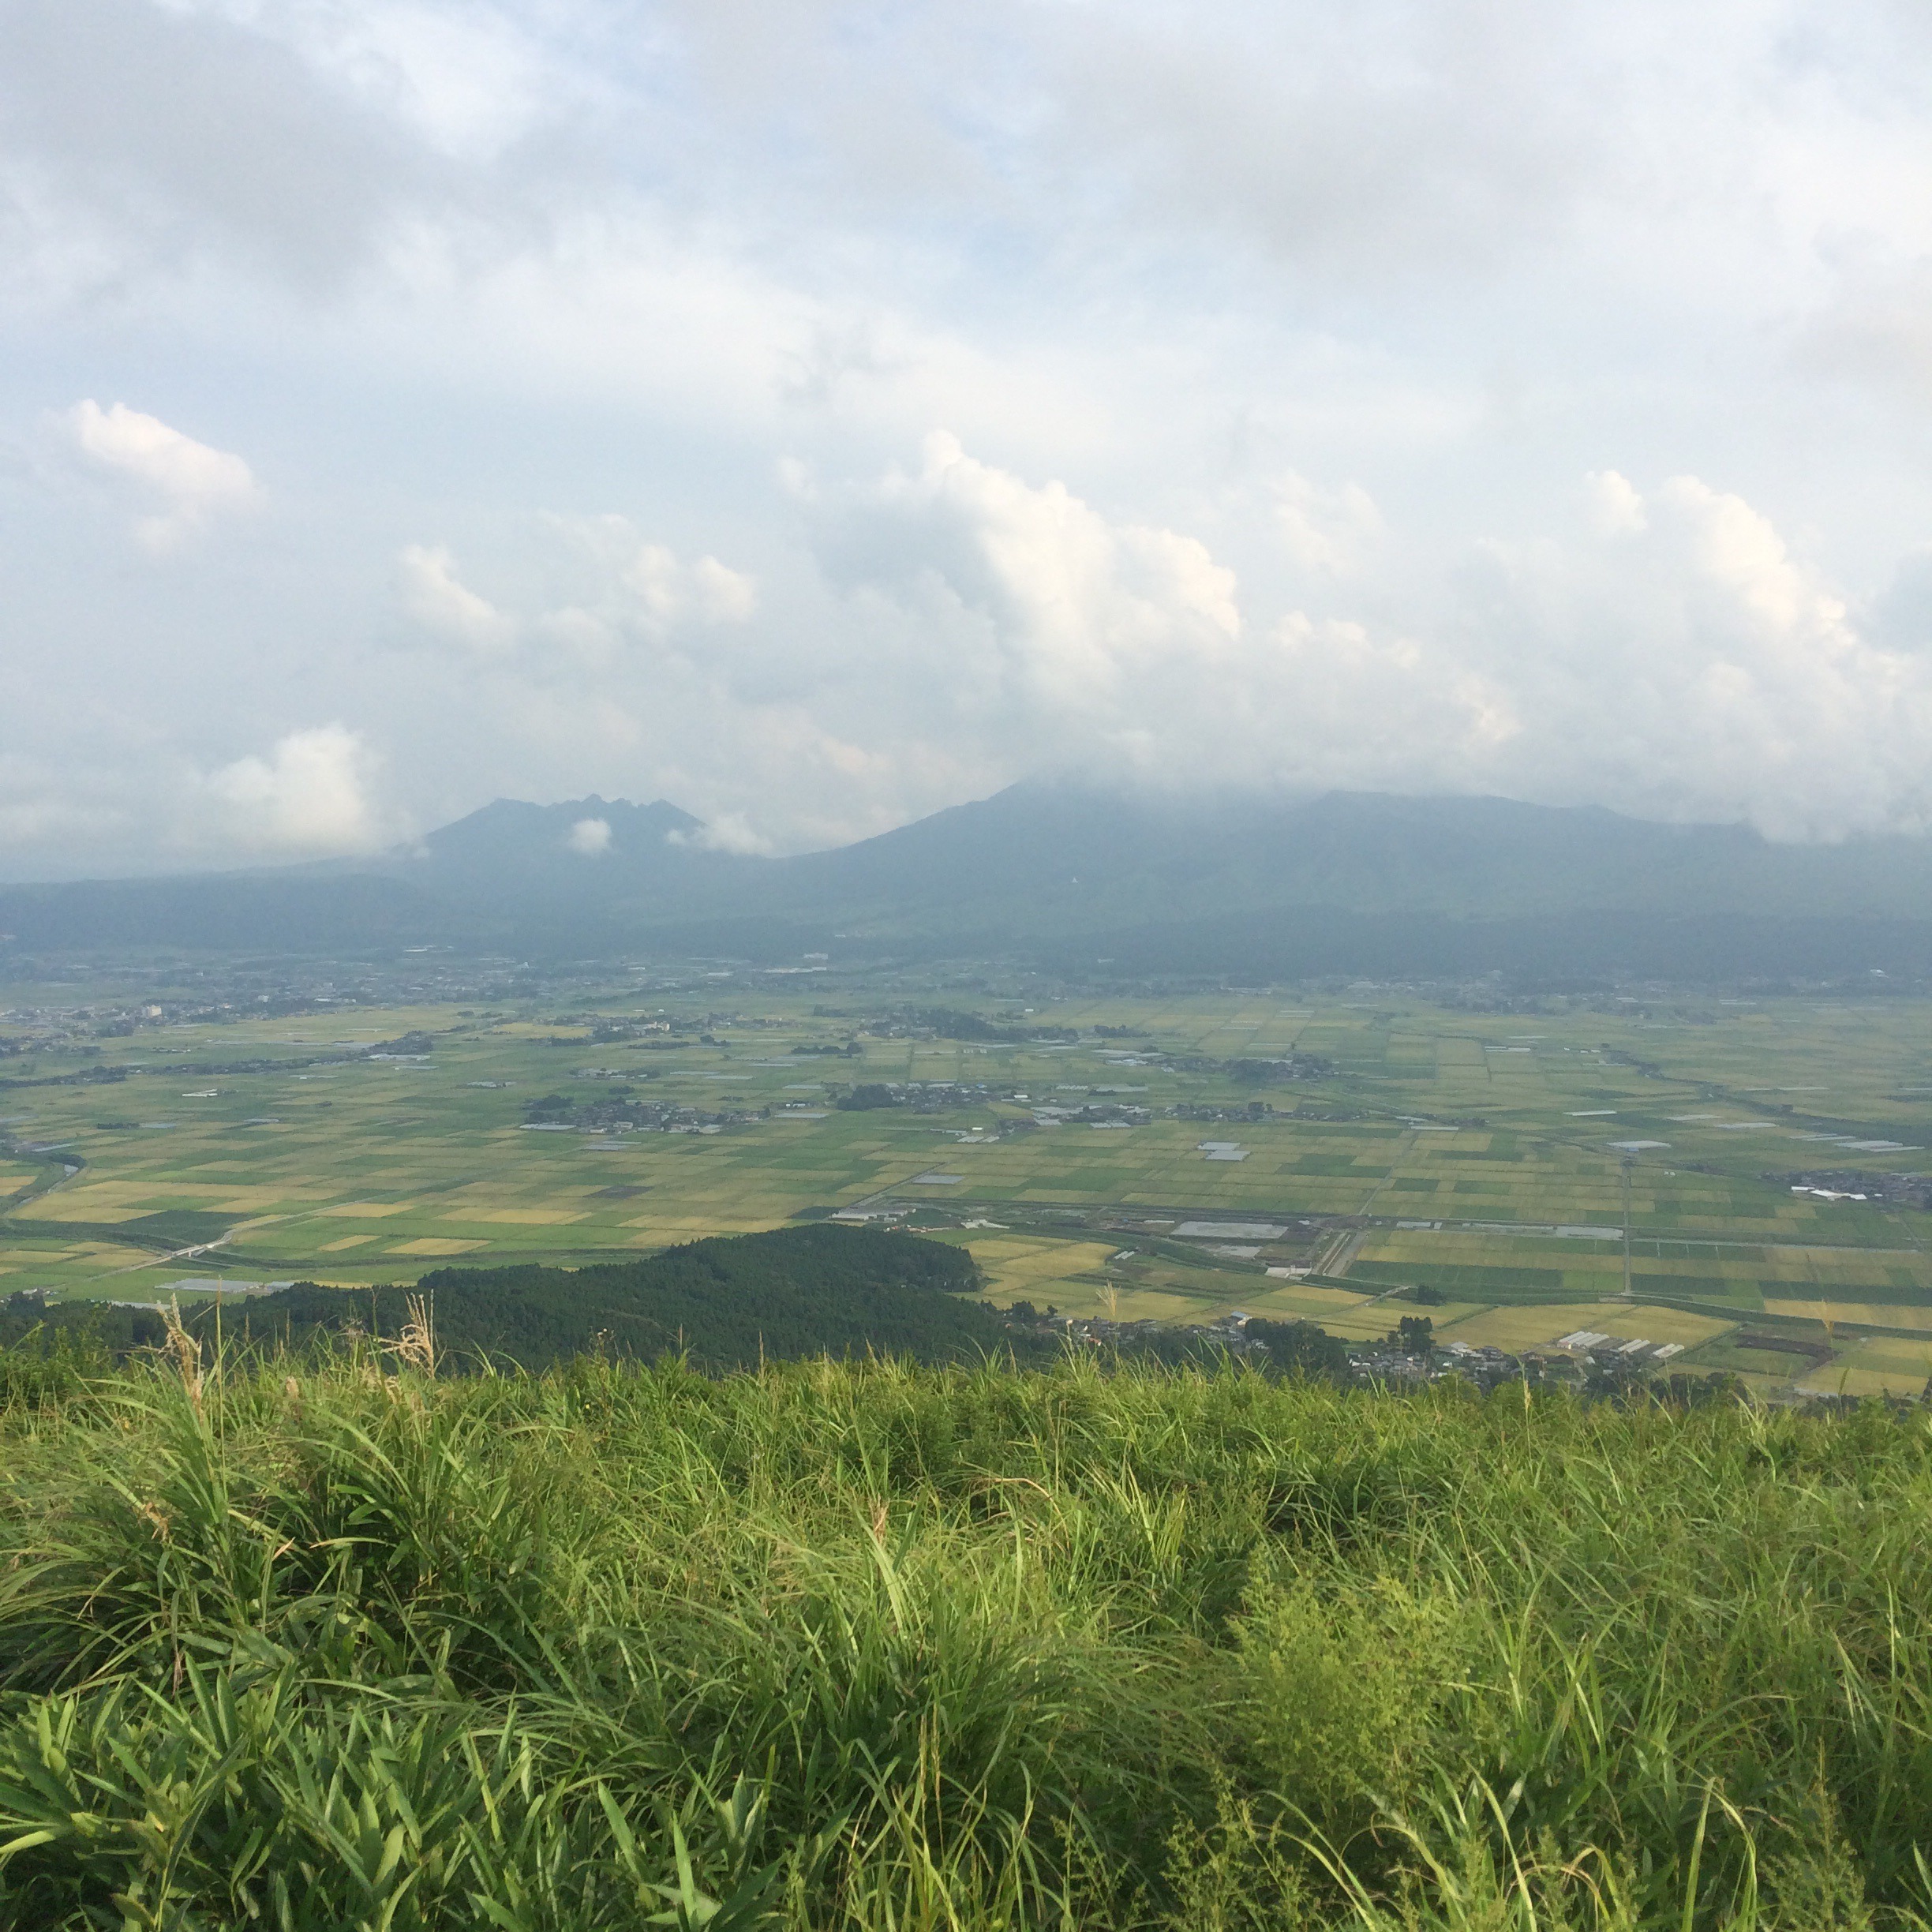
(821, 414)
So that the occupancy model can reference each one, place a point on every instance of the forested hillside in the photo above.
(726, 1303)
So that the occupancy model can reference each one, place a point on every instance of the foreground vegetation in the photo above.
(341, 1643)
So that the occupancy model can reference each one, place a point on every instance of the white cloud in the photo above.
(589, 838)
(137, 807)
(1273, 339)
(1666, 653)
(729, 831)
(311, 796)
(1069, 608)
(1614, 506)
(1685, 664)
(643, 586)
(1672, 657)
(192, 482)
(433, 594)
(622, 591)
(1334, 531)
(1053, 637)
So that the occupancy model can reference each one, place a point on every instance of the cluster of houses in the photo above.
(1389, 1364)
(1584, 1359)
(1894, 1190)
(1409, 1357)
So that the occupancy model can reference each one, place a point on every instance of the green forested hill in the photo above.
(726, 1303)
(730, 1302)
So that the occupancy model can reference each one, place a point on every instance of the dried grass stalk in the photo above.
(415, 1347)
(184, 1349)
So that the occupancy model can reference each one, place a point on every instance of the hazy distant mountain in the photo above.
(1066, 860)
(595, 841)
(640, 861)
(1345, 882)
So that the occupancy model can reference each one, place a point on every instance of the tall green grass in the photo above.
(870, 1646)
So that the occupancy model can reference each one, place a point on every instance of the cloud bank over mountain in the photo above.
(821, 414)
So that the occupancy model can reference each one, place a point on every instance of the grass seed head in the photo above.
(415, 1347)
(185, 1350)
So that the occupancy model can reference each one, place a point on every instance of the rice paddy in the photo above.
(1592, 1153)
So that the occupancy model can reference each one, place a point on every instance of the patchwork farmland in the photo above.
(1623, 1169)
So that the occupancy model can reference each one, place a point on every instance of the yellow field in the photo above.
(514, 1217)
(1136, 1304)
(1019, 1267)
(1370, 1324)
(1856, 1314)
(92, 1194)
(1838, 1380)
(1884, 1365)
(1537, 1327)
(682, 1222)
(1310, 1296)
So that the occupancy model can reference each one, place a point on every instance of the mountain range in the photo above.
(1080, 882)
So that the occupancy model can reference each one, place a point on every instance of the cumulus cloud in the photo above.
(190, 482)
(433, 595)
(589, 838)
(1333, 531)
(622, 590)
(311, 796)
(641, 586)
(138, 807)
(1069, 609)
(1684, 662)
(1612, 504)
(1270, 340)
(1661, 649)
(729, 831)
(1053, 637)
(1672, 657)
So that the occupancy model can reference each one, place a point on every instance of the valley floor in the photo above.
(1624, 1166)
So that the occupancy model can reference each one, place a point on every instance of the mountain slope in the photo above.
(1076, 860)
(1347, 882)
(589, 851)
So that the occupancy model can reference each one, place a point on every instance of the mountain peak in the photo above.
(514, 831)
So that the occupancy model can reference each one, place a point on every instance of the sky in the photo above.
(818, 414)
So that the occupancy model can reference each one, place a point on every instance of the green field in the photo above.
(1474, 1154)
